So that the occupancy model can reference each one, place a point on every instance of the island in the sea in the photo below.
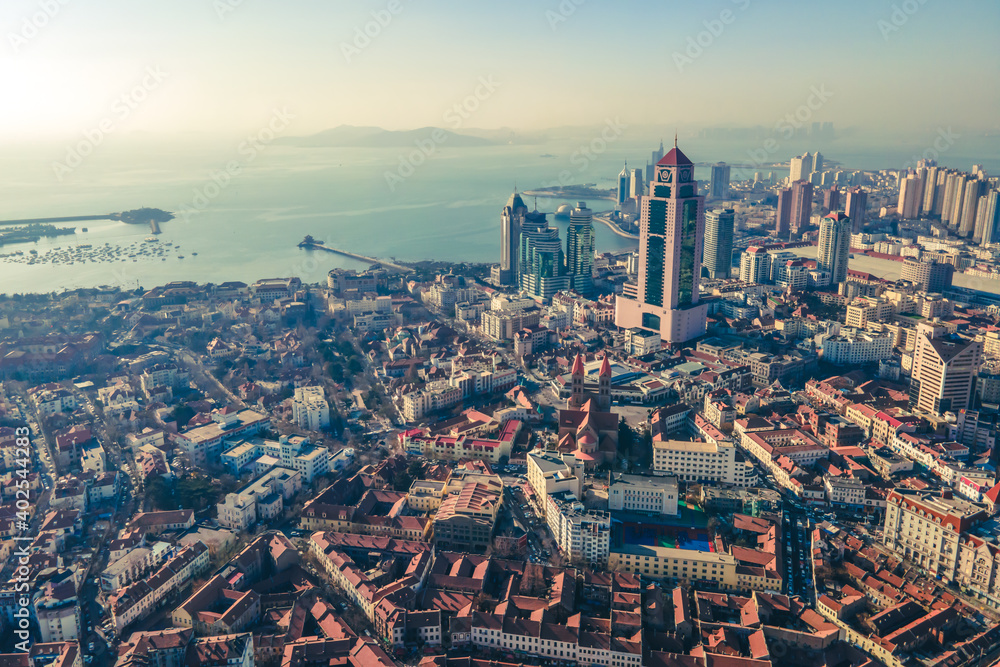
(143, 216)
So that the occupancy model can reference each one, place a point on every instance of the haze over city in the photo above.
(892, 69)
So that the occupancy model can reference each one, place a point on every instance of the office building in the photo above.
(643, 494)
(931, 275)
(944, 371)
(716, 462)
(718, 260)
(856, 208)
(834, 246)
(655, 157)
(671, 234)
(817, 162)
(718, 187)
(551, 472)
(541, 262)
(511, 219)
(624, 185)
(580, 250)
(755, 266)
(802, 200)
(783, 215)
(635, 186)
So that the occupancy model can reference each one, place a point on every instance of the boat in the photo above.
(194, 253)
(180, 256)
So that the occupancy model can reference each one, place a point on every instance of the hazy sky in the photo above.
(224, 65)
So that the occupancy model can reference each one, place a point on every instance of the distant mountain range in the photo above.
(350, 136)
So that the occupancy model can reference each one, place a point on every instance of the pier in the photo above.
(154, 227)
(319, 245)
(74, 218)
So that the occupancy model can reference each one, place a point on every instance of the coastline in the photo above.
(615, 228)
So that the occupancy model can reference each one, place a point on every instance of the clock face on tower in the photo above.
(685, 175)
(666, 176)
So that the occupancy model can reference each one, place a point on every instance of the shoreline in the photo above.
(615, 228)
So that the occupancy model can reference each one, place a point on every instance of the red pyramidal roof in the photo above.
(674, 158)
(605, 367)
(578, 365)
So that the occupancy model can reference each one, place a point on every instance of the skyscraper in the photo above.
(671, 235)
(635, 187)
(802, 201)
(719, 225)
(511, 219)
(783, 215)
(656, 156)
(856, 208)
(719, 183)
(580, 250)
(834, 246)
(817, 163)
(624, 184)
(542, 269)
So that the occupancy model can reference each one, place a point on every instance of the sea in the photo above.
(244, 212)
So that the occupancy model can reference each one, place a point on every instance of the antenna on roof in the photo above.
(675, 138)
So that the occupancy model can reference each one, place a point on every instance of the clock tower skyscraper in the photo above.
(671, 238)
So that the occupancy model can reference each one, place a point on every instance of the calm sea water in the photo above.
(248, 228)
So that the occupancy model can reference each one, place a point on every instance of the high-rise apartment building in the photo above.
(580, 250)
(802, 201)
(856, 208)
(800, 168)
(834, 246)
(970, 206)
(817, 161)
(909, 203)
(988, 217)
(671, 236)
(755, 265)
(831, 199)
(719, 224)
(718, 187)
(944, 371)
(783, 215)
(930, 191)
(931, 275)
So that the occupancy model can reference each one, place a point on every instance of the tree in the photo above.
(182, 414)
(402, 481)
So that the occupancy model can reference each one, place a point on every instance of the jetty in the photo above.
(311, 243)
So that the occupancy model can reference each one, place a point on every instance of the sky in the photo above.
(188, 68)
